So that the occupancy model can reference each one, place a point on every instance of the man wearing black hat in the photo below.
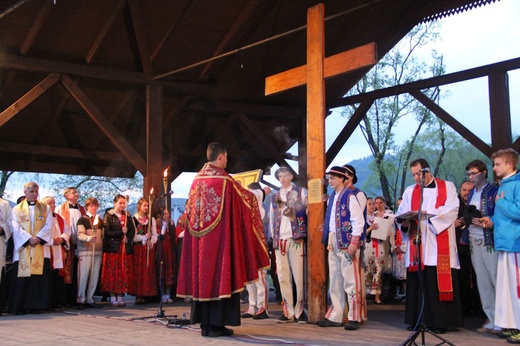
(343, 233)
(288, 225)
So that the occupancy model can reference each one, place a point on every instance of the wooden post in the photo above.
(154, 130)
(316, 281)
(314, 73)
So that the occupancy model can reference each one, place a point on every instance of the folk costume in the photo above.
(90, 256)
(116, 272)
(5, 235)
(258, 291)
(223, 247)
(71, 214)
(483, 255)
(442, 308)
(506, 221)
(144, 269)
(288, 224)
(344, 219)
(31, 286)
(377, 256)
(61, 277)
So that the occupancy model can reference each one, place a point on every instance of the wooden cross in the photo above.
(313, 74)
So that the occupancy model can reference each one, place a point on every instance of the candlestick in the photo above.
(94, 229)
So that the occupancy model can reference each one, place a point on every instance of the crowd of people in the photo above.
(64, 255)
(431, 251)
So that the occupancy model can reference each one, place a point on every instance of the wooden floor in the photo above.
(129, 326)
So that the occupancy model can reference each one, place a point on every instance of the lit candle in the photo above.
(149, 228)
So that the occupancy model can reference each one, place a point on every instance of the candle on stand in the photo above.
(165, 183)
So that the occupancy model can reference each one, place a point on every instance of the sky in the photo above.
(474, 38)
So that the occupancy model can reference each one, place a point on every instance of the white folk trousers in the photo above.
(289, 267)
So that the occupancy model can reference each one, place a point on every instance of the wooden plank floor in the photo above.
(127, 326)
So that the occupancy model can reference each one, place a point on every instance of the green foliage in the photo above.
(399, 66)
(102, 188)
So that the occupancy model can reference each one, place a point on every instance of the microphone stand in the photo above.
(420, 327)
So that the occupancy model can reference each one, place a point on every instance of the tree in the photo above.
(399, 66)
(102, 188)
(3, 181)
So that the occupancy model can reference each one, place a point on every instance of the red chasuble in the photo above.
(224, 243)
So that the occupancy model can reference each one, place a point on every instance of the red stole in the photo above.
(444, 280)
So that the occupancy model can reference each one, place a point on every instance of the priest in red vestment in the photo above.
(223, 246)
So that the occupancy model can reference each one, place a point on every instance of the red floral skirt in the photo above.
(144, 277)
(116, 274)
(167, 259)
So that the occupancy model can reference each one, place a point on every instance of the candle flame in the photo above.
(166, 172)
(151, 191)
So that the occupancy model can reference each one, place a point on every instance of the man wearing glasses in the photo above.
(481, 202)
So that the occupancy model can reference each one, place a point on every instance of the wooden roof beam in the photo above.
(244, 18)
(29, 149)
(347, 131)
(105, 125)
(452, 122)
(28, 98)
(104, 30)
(140, 36)
(482, 71)
(35, 28)
(32, 65)
(175, 22)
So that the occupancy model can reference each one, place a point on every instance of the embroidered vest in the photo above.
(299, 225)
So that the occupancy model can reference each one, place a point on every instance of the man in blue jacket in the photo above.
(506, 224)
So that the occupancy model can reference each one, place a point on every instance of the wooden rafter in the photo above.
(104, 30)
(237, 28)
(140, 36)
(28, 98)
(452, 122)
(105, 125)
(29, 149)
(175, 22)
(349, 128)
(35, 28)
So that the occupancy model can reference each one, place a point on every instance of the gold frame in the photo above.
(246, 178)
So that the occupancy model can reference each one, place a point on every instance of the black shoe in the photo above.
(215, 332)
(204, 328)
(246, 315)
(302, 319)
(261, 316)
(80, 306)
(285, 319)
(93, 305)
(352, 325)
(329, 323)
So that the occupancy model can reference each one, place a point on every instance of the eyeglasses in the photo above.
(472, 174)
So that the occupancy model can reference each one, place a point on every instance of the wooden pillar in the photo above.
(316, 282)
(154, 165)
(499, 110)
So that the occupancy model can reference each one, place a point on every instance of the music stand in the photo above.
(160, 315)
(421, 328)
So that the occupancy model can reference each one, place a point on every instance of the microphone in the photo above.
(425, 170)
(167, 194)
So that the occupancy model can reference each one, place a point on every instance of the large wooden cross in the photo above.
(313, 74)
